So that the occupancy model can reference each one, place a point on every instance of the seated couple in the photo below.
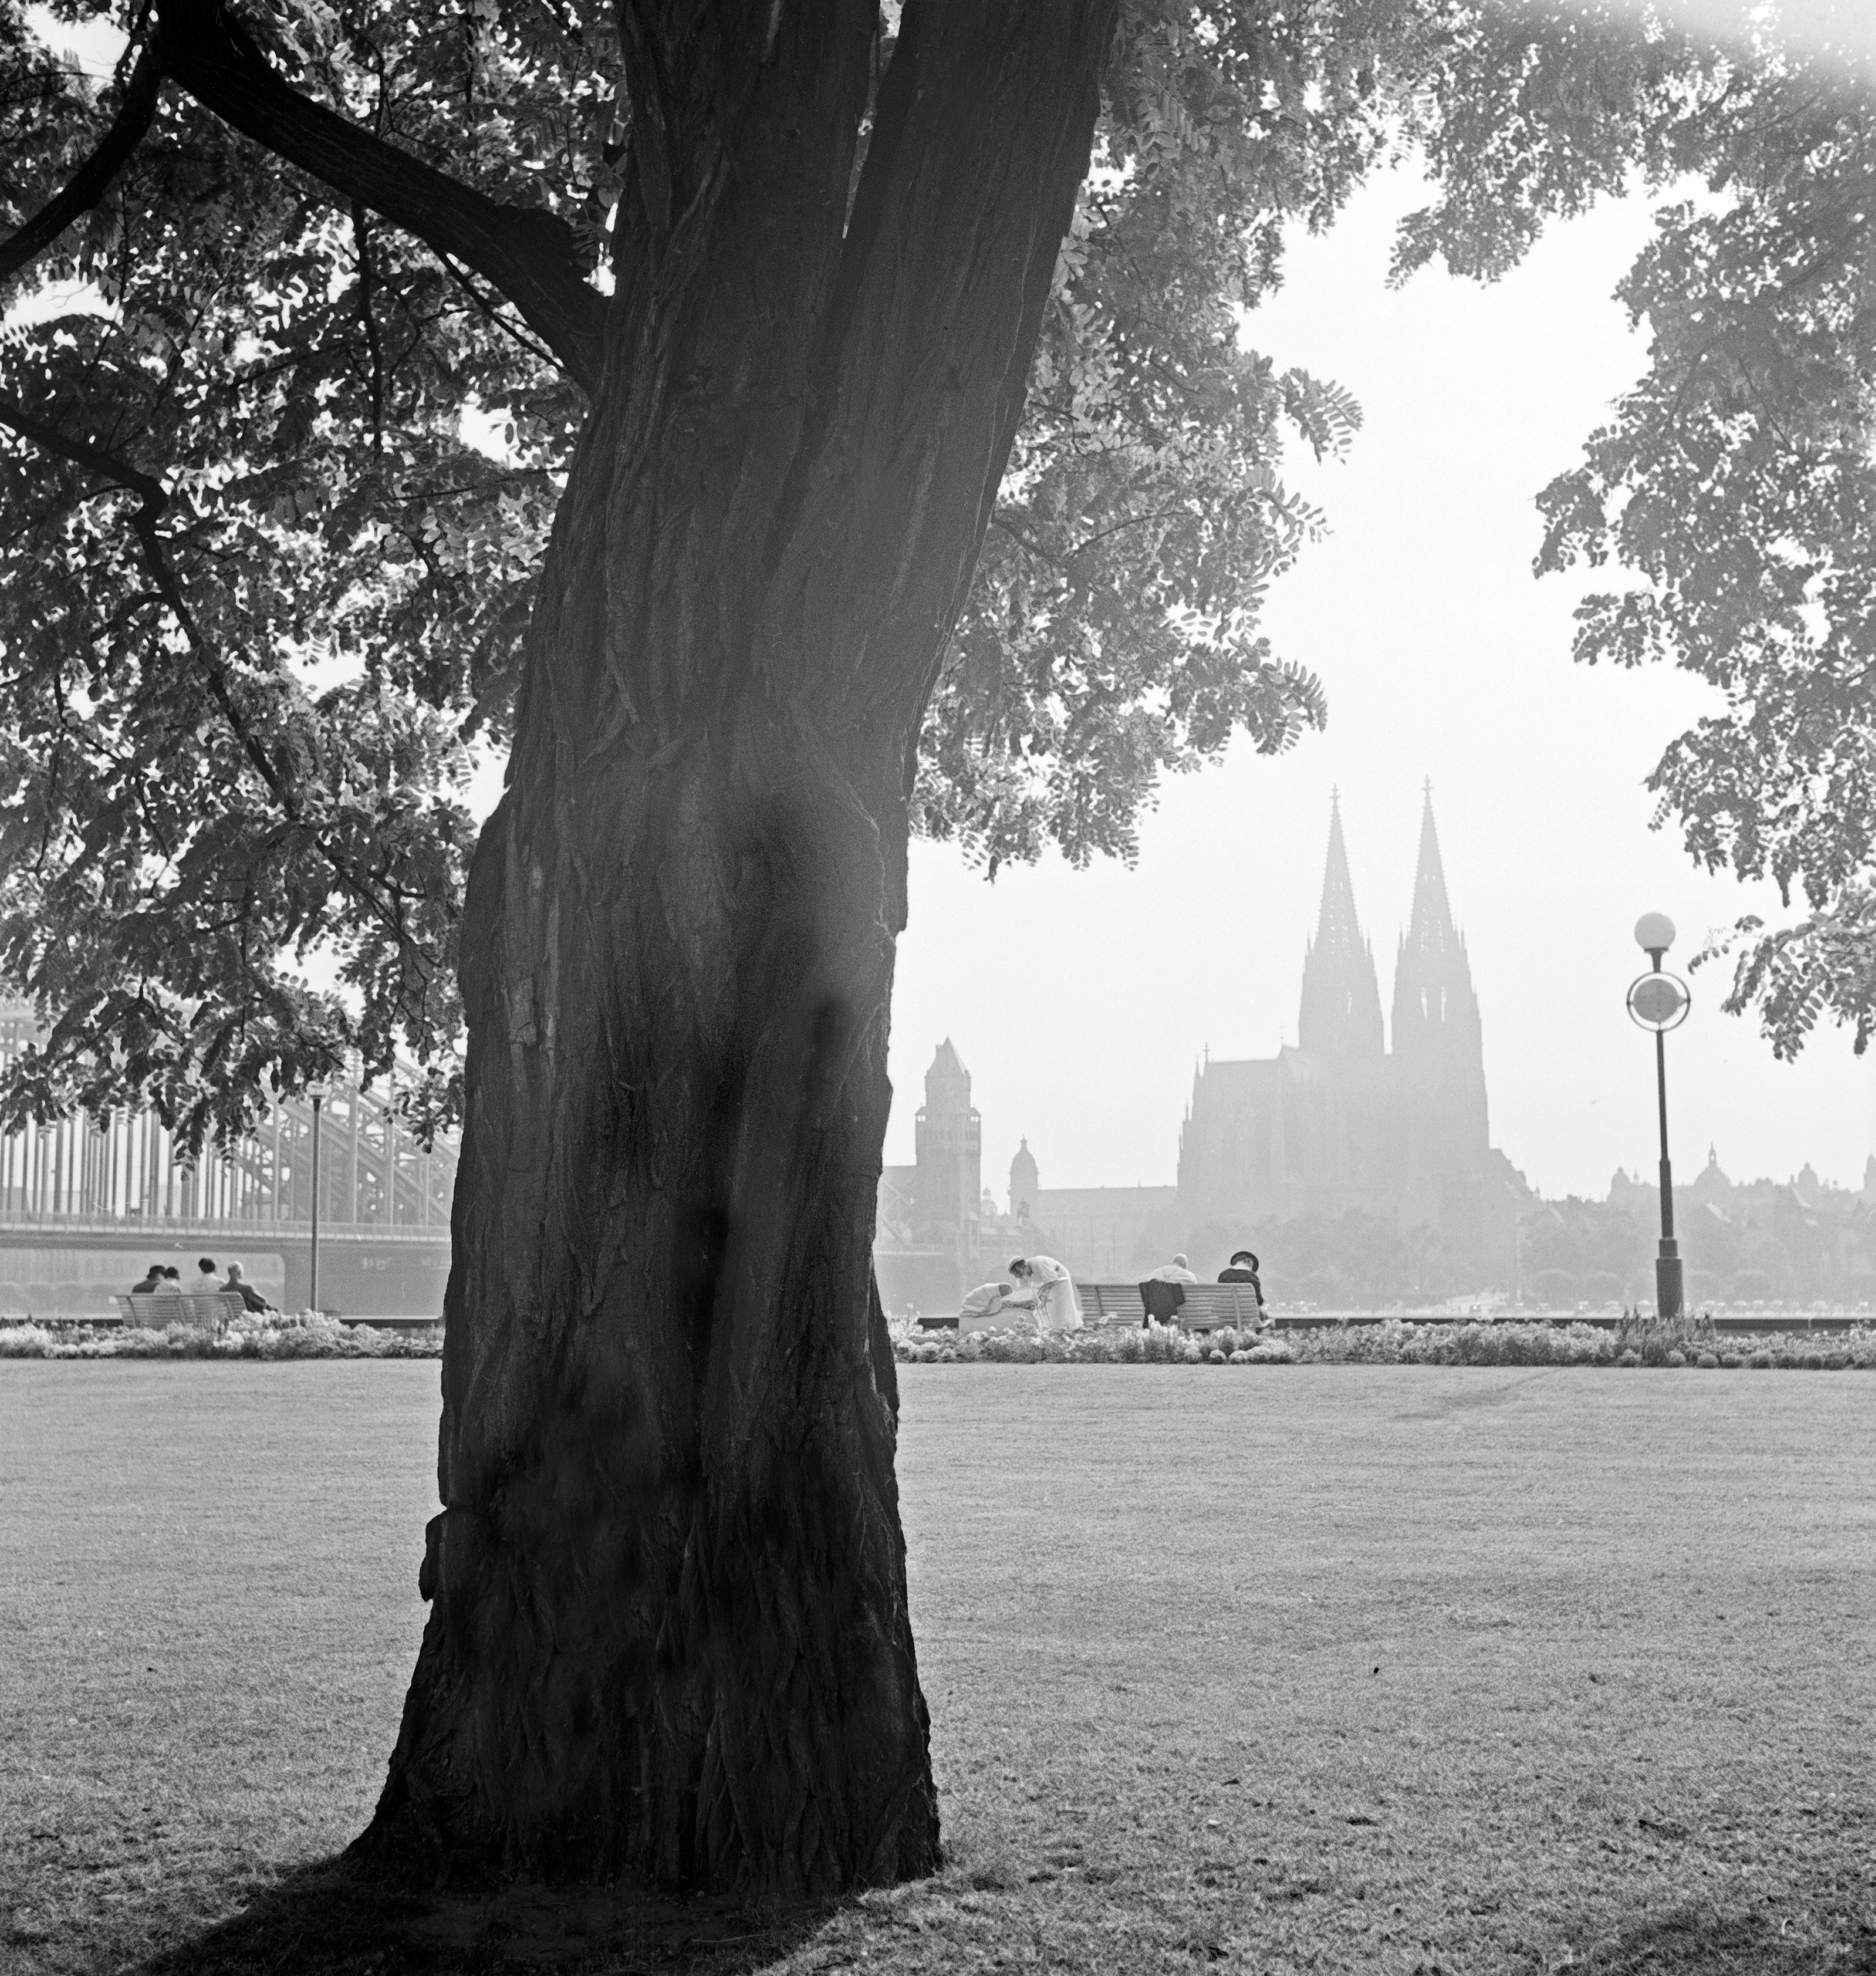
(1242, 1269)
(1039, 1296)
(1163, 1294)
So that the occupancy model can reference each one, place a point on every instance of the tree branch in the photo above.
(529, 255)
(365, 284)
(152, 498)
(490, 310)
(91, 180)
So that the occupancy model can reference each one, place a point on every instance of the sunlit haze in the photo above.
(1080, 1001)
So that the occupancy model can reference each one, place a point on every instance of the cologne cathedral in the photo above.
(1342, 1121)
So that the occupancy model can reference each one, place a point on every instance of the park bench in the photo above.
(206, 1309)
(1208, 1306)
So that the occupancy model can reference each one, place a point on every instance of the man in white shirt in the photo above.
(1177, 1271)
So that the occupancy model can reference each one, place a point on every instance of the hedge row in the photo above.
(1396, 1342)
(259, 1336)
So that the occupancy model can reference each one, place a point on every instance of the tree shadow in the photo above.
(1696, 1941)
(330, 1919)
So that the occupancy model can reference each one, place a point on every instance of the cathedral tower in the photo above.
(1436, 1011)
(1341, 1006)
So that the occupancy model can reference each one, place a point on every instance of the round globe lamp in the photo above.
(1654, 934)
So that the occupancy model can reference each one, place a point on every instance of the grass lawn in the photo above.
(1331, 1667)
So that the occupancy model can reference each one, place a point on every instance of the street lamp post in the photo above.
(1660, 1001)
(316, 1092)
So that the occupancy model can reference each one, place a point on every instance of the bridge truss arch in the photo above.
(373, 1173)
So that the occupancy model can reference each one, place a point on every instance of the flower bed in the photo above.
(258, 1334)
(1393, 1342)
(1396, 1342)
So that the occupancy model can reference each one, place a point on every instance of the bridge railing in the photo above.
(74, 1228)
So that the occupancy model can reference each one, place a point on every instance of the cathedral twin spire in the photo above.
(1341, 1011)
(1435, 1009)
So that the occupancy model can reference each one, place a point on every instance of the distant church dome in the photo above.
(1025, 1188)
(1711, 1179)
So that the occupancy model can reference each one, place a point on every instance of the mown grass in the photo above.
(1324, 1667)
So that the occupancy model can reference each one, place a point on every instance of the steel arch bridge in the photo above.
(82, 1186)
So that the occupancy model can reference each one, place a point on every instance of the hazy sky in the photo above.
(1443, 657)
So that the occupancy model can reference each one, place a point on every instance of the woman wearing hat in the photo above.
(1242, 1269)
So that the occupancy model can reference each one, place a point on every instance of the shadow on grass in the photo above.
(326, 1919)
(1697, 1942)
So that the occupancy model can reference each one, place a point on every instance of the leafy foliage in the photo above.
(278, 476)
(239, 735)
(1112, 633)
(1736, 482)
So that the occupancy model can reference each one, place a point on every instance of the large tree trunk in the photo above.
(668, 1633)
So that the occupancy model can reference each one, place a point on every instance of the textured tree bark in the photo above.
(669, 1632)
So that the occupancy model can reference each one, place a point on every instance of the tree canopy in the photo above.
(1734, 486)
(280, 468)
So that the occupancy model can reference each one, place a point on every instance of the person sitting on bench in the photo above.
(249, 1296)
(1163, 1294)
(152, 1282)
(1243, 1269)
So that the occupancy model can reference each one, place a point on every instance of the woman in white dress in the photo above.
(1045, 1286)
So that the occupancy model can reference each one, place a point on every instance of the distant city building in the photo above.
(948, 1146)
(1340, 1122)
(1116, 1234)
(929, 1226)
(1364, 1174)
(938, 1229)
(1802, 1241)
